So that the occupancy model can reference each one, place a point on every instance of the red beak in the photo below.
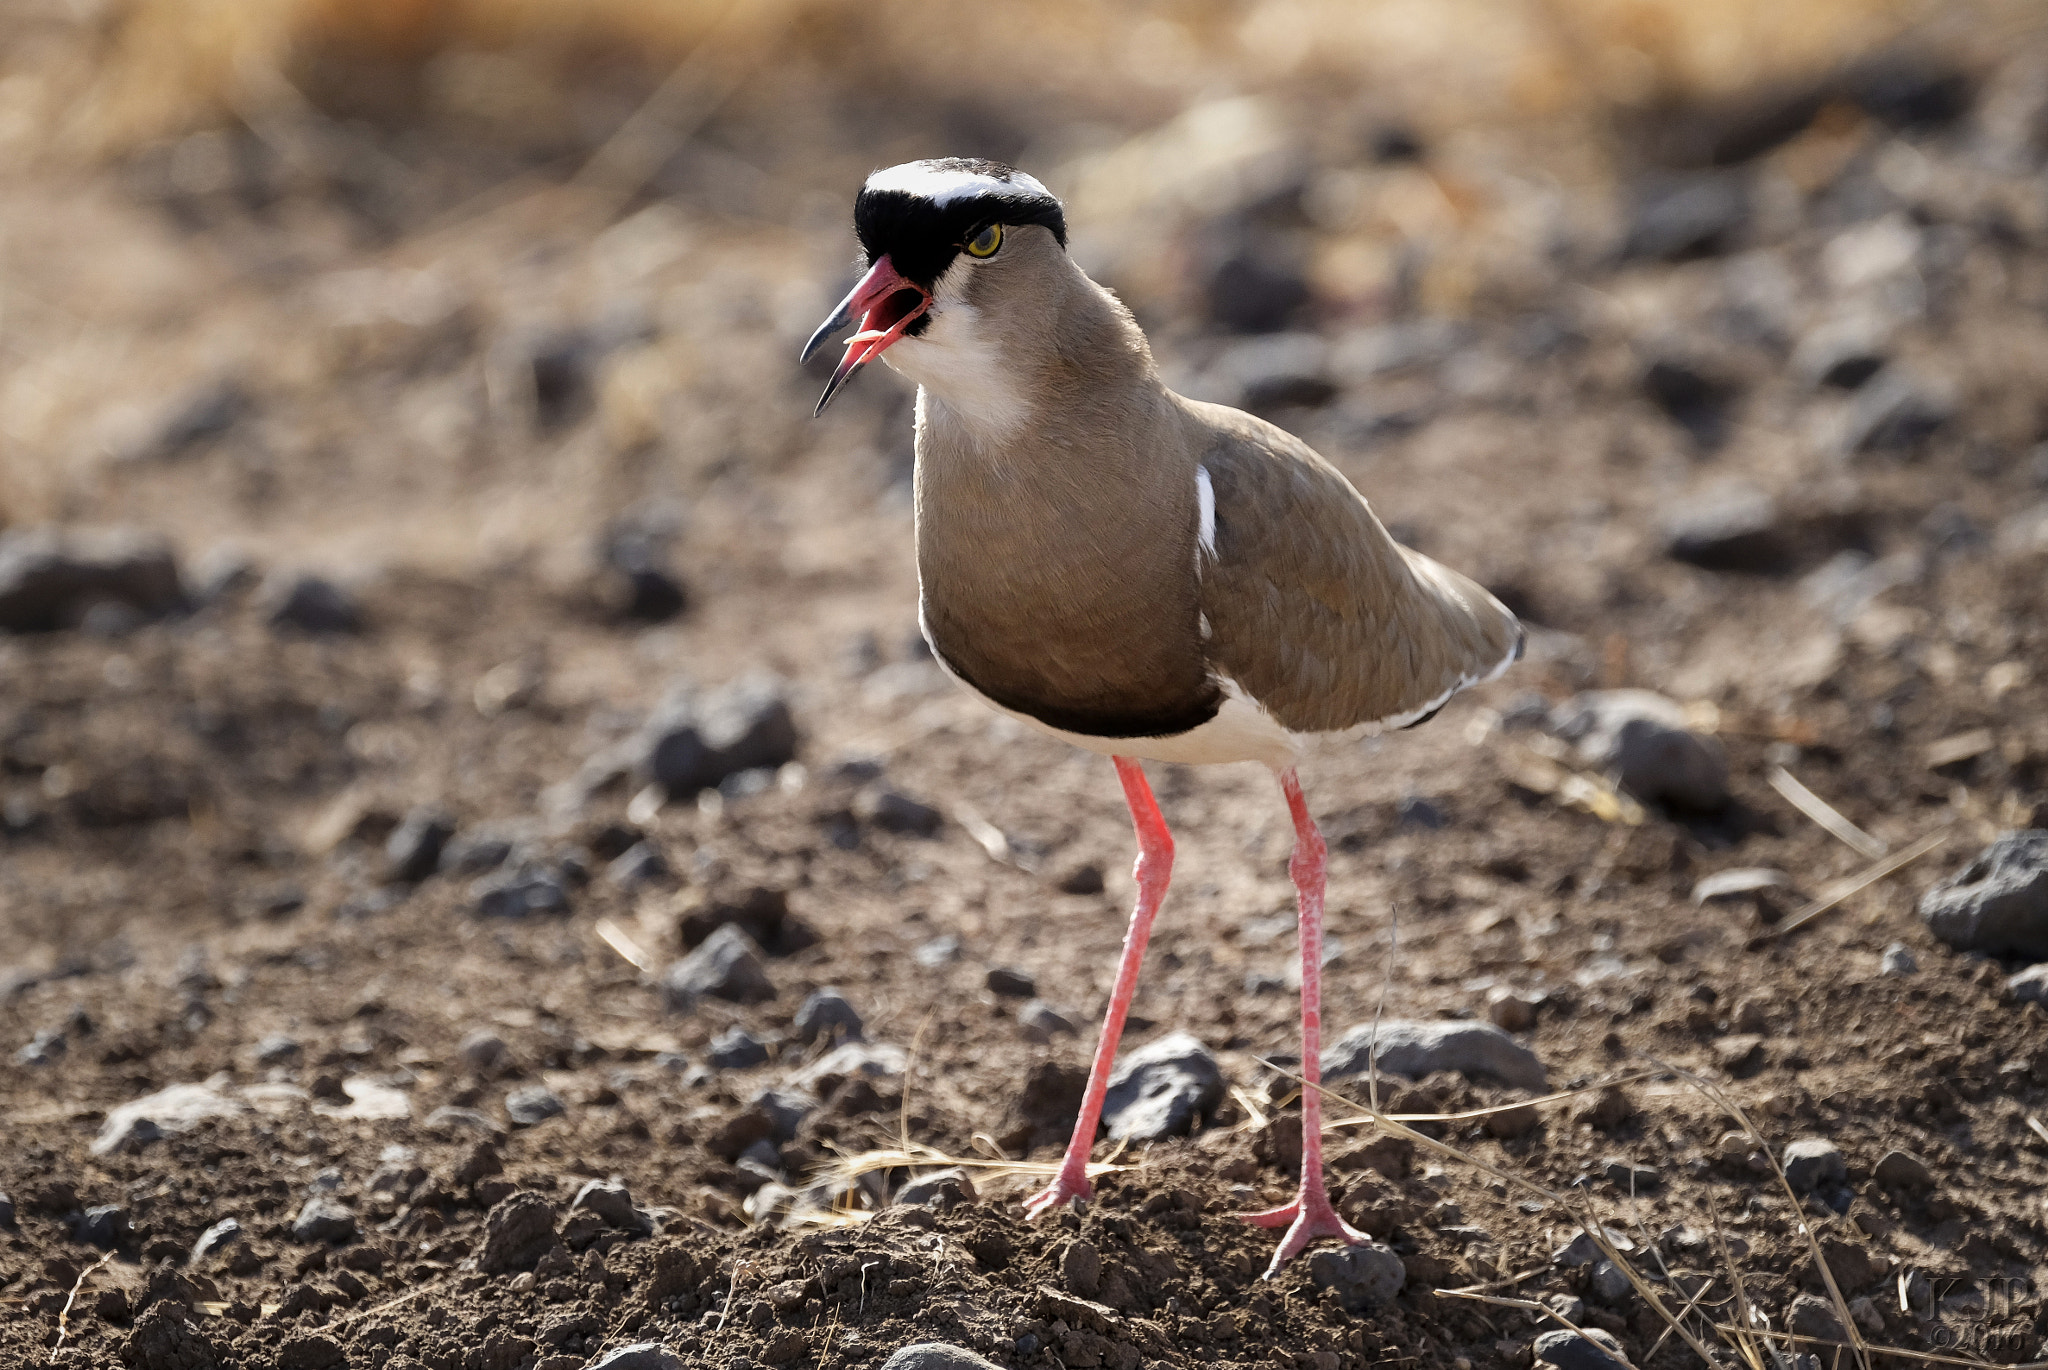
(886, 303)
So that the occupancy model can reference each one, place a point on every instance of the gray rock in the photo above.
(937, 952)
(473, 853)
(1997, 904)
(1740, 883)
(413, 851)
(1609, 1282)
(176, 1109)
(448, 1118)
(1812, 1162)
(736, 1049)
(1894, 413)
(1640, 740)
(694, 742)
(785, 1110)
(51, 578)
(322, 1219)
(1364, 1277)
(640, 864)
(276, 1049)
(216, 1239)
(727, 965)
(46, 1048)
(1585, 1249)
(309, 604)
(483, 1052)
(1898, 959)
(2030, 986)
(1474, 1050)
(1691, 395)
(1631, 1178)
(517, 1233)
(829, 1015)
(641, 1355)
(1011, 983)
(898, 813)
(1567, 1306)
(1813, 1316)
(1902, 1170)
(1843, 353)
(1085, 878)
(1161, 1089)
(1590, 1349)
(612, 1201)
(105, 1226)
(936, 1355)
(941, 1189)
(1731, 529)
(533, 1105)
(1686, 216)
(1042, 1022)
(526, 889)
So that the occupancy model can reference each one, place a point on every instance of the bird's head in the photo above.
(941, 241)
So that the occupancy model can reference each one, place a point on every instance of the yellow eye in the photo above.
(985, 243)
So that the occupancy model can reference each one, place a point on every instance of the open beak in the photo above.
(886, 303)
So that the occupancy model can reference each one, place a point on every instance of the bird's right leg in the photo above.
(1154, 869)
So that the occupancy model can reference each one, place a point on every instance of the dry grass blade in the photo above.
(64, 1317)
(2037, 1127)
(1826, 814)
(986, 835)
(615, 937)
(1861, 880)
(1926, 1357)
(1372, 1115)
(388, 1304)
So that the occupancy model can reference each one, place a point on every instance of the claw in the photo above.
(1310, 1216)
(1064, 1189)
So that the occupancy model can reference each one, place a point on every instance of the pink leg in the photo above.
(1310, 1215)
(1155, 867)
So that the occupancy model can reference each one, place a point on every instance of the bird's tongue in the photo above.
(887, 304)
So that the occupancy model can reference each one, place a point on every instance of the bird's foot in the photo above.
(1310, 1216)
(1070, 1184)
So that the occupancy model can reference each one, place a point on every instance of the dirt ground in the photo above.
(420, 358)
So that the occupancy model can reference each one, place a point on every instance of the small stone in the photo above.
(483, 1052)
(736, 1049)
(46, 1048)
(51, 578)
(525, 889)
(1011, 983)
(941, 1189)
(1585, 1249)
(2029, 986)
(277, 1049)
(1085, 878)
(1610, 1284)
(518, 1231)
(1639, 739)
(105, 1226)
(1160, 1090)
(223, 1234)
(1843, 353)
(785, 1110)
(612, 1201)
(1730, 529)
(1903, 1171)
(641, 1355)
(1812, 1162)
(1812, 1316)
(1364, 1277)
(934, 1355)
(309, 604)
(474, 853)
(1686, 216)
(726, 966)
(638, 865)
(1998, 904)
(413, 851)
(1738, 1051)
(6, 1211)
(1474, 1050)
(1567, 1306)
(1691, 396)
(827, 1015)
(937, 952)
(1042, 1022)
(1894, 413)
(533, 1105)
(1631, 1178)
(1511, 1010)
(898, 813)
(1588, 1349)
(322, 1219)
(873, 1062)
(696, 742)
(449, 1118)
(1898, 959)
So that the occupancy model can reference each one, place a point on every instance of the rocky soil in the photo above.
(489, 877)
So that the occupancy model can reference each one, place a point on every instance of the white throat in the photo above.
(963, 377)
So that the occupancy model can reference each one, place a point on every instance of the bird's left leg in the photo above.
(1311, 1215)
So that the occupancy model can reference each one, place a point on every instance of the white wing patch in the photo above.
(1205, 501)
(943, 187)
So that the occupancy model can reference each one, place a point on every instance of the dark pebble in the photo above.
(1011, 983)
(736, 1049)
(310, 604)
(413, 850)
(829, 1015)
(726, 966)
(50, 578)
(532, 1105)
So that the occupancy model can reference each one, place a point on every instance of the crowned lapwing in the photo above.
(1140, 574)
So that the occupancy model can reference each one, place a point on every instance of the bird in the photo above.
(1145, 576)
